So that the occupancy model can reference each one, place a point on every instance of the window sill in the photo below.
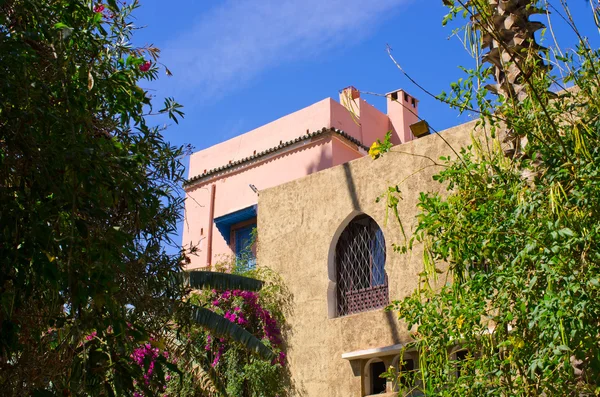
(370, 353)
(346, 316)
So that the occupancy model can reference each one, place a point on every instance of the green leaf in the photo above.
(221, 281)
(97, 18)
(563, 348)
(566, 232)
(446, 19)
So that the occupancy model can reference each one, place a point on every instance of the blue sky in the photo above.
(239, 64)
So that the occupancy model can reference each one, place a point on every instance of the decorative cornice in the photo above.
(273, 150)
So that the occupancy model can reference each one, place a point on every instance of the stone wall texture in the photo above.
(298, 226)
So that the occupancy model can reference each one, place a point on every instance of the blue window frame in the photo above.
(226, 223)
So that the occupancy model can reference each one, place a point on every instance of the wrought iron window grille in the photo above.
(362, 283)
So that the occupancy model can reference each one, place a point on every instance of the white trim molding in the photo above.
(376, 352)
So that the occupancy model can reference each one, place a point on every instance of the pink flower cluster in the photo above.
(243, 308)
(101, 9)
(143, 353)
(144, 67)
(235, 316)
(220, 348)
(146, 354)
(280, 359)
(218, 355)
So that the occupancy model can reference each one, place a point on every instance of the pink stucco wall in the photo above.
(326, 113)
(342, 118)
(343, 152)
(374, 123)
(232, 191)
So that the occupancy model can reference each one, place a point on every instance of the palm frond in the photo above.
(205, 381)
(220, 326)
(221, 281)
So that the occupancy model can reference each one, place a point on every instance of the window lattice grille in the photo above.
(362, 283)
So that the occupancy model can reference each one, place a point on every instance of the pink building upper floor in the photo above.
(225, 180)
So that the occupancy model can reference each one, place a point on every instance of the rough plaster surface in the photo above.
(297, 222)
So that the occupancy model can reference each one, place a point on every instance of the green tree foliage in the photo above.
(87, 199)
(518, 228)
(90, 302)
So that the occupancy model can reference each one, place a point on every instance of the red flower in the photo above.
(99, 8)
(144, 67)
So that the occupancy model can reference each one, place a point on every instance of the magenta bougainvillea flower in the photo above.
(98, 8)
(144, 67)
(244, 309)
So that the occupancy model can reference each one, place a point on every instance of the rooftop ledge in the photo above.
(370, 353)
(272, 151)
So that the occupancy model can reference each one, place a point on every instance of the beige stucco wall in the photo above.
(298, 223)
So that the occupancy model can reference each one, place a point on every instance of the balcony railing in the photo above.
(365, 299)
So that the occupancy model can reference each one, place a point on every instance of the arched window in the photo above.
(360, 267)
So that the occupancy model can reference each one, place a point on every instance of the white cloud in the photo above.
(239, 39)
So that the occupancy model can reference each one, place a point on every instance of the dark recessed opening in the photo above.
(394, 96)
(414, 104)
(405, 97)
(378, 385)
(461, 356)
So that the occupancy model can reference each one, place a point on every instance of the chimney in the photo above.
(347, 97)
(402, 110)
